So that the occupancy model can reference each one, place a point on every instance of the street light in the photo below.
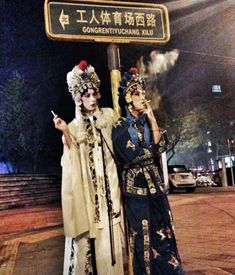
(231, 142)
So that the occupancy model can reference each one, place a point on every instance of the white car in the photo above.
(181, 178)
(205, 181)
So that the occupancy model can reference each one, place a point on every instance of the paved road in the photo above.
(205, 226)
(204, 223)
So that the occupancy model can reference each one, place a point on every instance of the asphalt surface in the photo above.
(32, 241)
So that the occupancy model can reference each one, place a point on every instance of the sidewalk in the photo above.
(30, 238)
(205, 225)
(32, 241)
(21, 220)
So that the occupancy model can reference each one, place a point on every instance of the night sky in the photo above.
(202, 31)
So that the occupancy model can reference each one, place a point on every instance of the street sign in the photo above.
(106, 21)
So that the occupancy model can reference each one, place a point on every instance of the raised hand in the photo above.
(60, 124)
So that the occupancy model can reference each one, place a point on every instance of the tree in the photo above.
(20, 132)
(203, 127)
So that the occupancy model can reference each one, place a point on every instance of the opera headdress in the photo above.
(130, 82)
(80, 79)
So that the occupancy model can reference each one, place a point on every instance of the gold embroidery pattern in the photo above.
(118, 123)
(164, 233)
(145, 157)
(92, 167)
(130, 145)
(159, 183)
(155, 253)
(162, 145)
(133, 233)
(146, 244)
(173, 261)
(151, 185)
(137, 190)
(130, 179)
(88, 263)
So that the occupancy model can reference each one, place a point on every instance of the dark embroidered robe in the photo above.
(151, 231)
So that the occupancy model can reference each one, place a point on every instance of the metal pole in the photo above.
(224, 174)
(115, 74)
(165, 169)
(231, 162)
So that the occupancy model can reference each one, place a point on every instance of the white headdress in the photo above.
(80, 79)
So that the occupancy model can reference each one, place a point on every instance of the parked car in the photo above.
(205, 180)
(181, 178)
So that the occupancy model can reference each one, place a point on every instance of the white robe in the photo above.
(78, 197)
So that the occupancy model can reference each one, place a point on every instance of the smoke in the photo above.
(159, 63)
(154, 72)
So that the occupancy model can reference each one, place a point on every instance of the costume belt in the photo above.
(145, 163)
(153, 184)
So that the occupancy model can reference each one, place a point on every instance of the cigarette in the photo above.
(148, 101)
(53, 113)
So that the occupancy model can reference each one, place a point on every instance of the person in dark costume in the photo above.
(138, 143)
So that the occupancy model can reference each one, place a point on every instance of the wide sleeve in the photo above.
(125, 150)
(73, 201)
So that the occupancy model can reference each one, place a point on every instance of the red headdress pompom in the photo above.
(134, 70)
(82, 65)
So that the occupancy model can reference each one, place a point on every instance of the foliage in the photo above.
(195, 125)
(20, 130)
(197, 130)
(204, 129)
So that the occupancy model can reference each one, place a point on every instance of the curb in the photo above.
(214, 189)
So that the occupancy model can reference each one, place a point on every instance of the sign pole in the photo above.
(231, 161)
(115, 74)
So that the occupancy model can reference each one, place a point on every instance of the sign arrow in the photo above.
(64, 19)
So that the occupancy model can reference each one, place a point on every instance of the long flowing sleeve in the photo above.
(73, 200)
(126, 151)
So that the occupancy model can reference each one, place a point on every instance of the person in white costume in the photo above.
(90, 189)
